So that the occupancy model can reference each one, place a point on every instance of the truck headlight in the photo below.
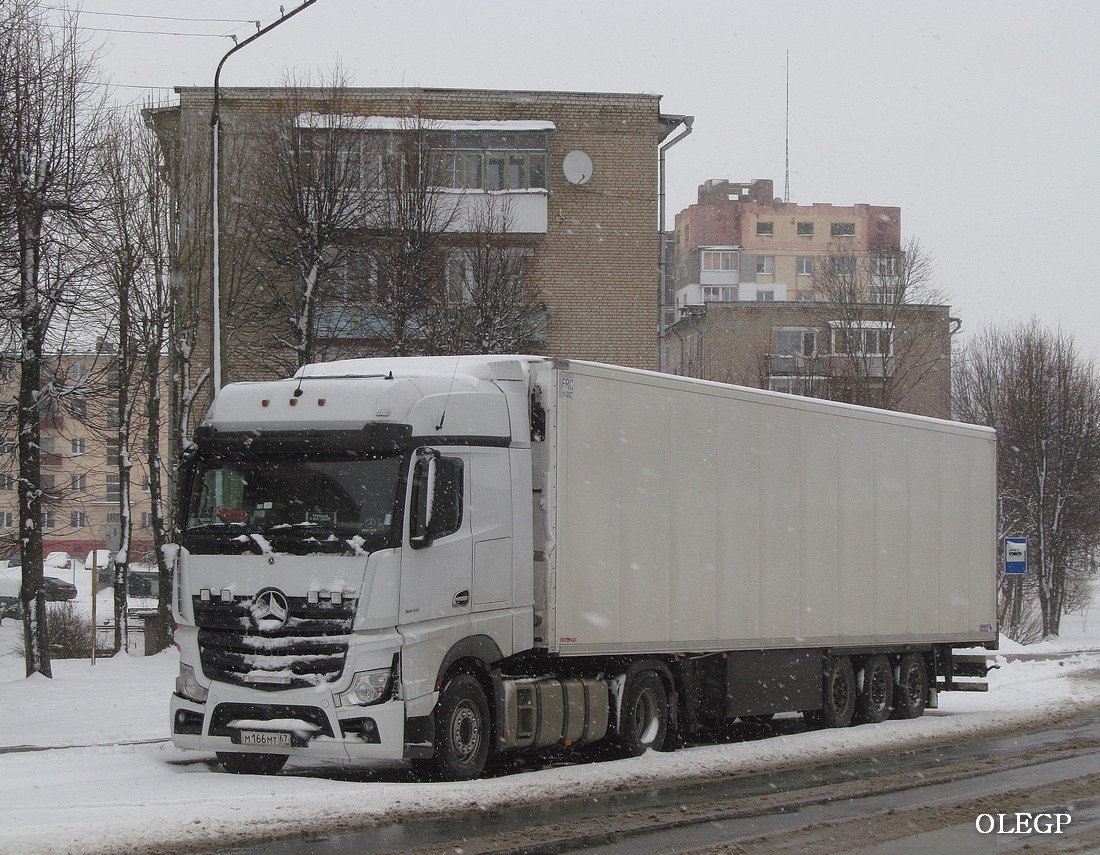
(368, 687)
(187, 685)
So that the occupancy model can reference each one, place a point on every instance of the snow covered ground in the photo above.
(86, 767)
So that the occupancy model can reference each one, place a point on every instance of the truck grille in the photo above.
(309, 650)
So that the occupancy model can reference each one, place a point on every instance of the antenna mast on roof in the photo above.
(787, 137)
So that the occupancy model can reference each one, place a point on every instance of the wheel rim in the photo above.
(842, 692)
(914, 685)
(465, 731)
(879, 685)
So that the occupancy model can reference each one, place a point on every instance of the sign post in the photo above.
(1015, 552)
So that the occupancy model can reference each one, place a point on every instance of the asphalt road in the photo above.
(935, 800)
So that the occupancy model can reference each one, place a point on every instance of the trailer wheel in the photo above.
(875, 700)
(463, 731)
(643, 719)
(911, 691)
(251, 764)
(839, 694)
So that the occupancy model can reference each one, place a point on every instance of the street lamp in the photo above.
(215, 118)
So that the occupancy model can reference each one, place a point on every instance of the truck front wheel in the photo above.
(251, 764)
(463, 731)
(643, 721)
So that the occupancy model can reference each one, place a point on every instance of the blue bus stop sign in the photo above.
(1015, 555)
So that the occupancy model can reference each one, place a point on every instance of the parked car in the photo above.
(58, 590)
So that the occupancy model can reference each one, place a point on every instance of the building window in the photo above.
(47, 444)
(805, 296)
(765, 229)
(145, 483)
(78, 444)
(805, 229)
(114, 518)
(78, 483)
(885, 265)
(765, 296)
(146, 519)
(78, 519)
(49, 519)
(885, 295)
(796, 341)
(7, 445)
(114, 489)
(720, 293)
(78, 408)
(112, 452)
(720, 259)
(805, 265)
(843, 265)
(765, 264)
(47, 482)
(112, 417)
(7, 482)
(7, 519)
(862, 340)
(491, 160)
(842, 229)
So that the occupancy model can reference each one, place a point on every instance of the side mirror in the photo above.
(436, 498)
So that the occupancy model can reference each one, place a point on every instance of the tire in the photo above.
(911, 689)
(643, 716)
(463, 732)
(839, 692)
(251, 764)
(875, 699)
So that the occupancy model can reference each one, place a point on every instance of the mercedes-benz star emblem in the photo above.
(270, 609)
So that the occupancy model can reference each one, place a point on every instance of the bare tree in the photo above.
(407, 235)
(46, 142)
(1032, 385)
(311, 195)
(882, 349)
(488, 306)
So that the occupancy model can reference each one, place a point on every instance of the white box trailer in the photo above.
(441, 559)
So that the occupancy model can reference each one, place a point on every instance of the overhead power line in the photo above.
(159, 17)
(156, 32)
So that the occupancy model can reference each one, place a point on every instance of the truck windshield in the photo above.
(304, 505)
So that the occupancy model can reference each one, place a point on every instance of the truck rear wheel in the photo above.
(911, 691)
(644, 714)
(251, 764)
(839, 694)
(875, 700)
(463, 731)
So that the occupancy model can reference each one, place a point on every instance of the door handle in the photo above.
(462, 598)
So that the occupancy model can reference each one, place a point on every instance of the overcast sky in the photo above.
(980, 119)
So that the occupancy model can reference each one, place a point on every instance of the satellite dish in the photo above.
(577, 167)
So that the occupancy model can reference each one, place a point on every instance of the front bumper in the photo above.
(318, 727)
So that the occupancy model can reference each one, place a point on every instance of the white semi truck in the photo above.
(443, 560)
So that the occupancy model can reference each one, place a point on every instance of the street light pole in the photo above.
(215, 120)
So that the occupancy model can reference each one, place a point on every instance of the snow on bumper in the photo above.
(297, 722)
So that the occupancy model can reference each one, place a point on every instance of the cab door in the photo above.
(437, 558)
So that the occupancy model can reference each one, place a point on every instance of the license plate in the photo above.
(266, 738)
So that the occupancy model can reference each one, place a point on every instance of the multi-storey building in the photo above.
(80, 462)
(818, 299)
(577, 171)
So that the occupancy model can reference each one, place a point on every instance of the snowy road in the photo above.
(117, 789)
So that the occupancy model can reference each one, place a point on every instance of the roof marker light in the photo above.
(320, 402)
(264, 402)
(293, 402)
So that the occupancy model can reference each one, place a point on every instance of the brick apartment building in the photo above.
(79, 459)
(811, 299)
(579, 171)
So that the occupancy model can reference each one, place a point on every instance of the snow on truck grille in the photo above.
(308, 649)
